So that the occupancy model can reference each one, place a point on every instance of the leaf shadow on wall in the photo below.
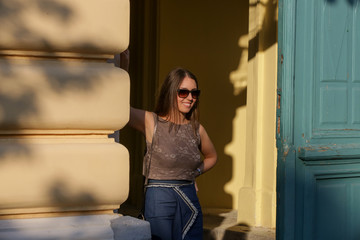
(19, 99)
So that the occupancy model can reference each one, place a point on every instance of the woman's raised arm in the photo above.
(142, 120)
(137, 119)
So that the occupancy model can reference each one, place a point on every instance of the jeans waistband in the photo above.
(168, 182)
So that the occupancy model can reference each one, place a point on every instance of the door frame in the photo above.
(285, 211)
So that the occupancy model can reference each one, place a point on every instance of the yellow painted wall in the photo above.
(210, 39)
(231, 47)
(257, 204)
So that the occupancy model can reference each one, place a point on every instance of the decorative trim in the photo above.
(192, 208)
(329, 152)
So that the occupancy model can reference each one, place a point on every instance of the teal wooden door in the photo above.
(318, 135)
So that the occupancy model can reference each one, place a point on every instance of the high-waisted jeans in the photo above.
(173, 210)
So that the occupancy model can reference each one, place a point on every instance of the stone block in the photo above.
(71, 96)
(91, 26)
(62, 175)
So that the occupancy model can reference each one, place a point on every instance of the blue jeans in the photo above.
(173, 210)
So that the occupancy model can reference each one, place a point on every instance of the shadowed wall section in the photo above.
(60, 97)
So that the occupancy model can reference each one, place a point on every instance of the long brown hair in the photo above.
(166, 105)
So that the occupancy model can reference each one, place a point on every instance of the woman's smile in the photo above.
(185, 104)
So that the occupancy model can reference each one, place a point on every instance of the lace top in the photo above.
(175, 154)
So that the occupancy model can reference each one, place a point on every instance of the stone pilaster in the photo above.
(60, 97)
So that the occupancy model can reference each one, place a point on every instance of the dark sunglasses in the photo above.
(183, 93)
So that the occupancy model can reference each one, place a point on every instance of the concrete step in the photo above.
(102, 226)
(222, 225)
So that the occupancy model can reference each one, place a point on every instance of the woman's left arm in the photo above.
(208, 150)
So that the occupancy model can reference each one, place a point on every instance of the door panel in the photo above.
(329, 208)
(333, 26)
(325, 122)
(327, 86)
(327, 97)
(338, 205)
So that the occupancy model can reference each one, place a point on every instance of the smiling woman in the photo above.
(175, 141)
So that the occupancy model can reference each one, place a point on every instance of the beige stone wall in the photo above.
(60, 97)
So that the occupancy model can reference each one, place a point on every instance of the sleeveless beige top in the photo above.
(174, 154)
